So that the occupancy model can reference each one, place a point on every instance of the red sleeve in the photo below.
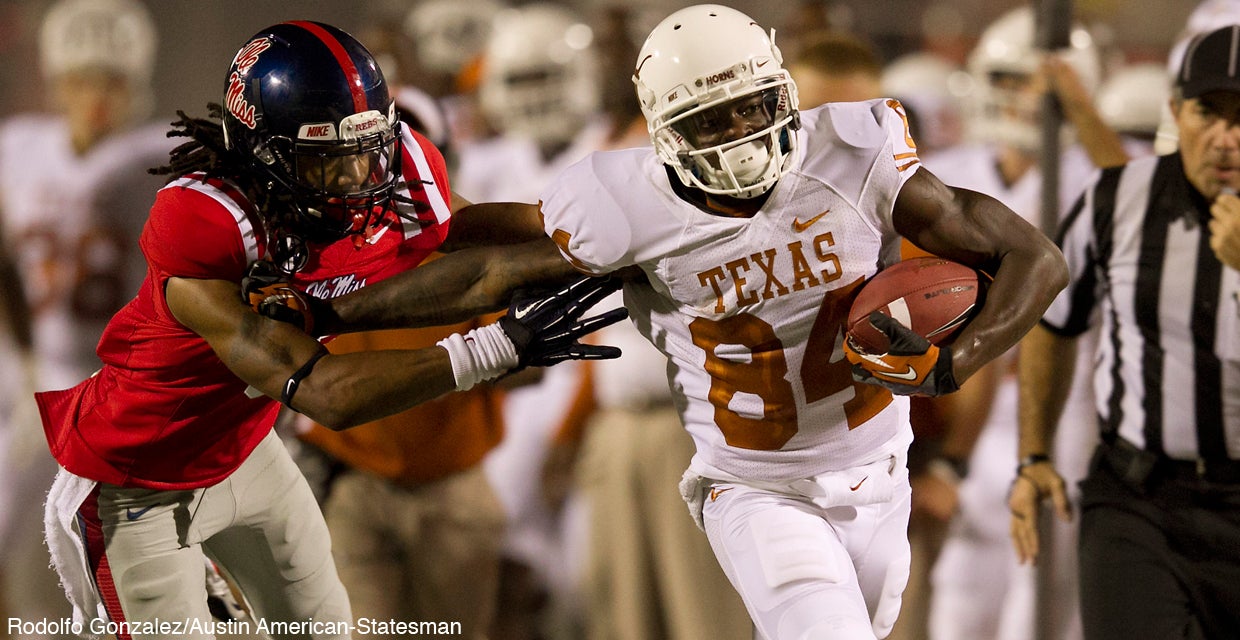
(439, 167)
(429, 197)
(192, 234)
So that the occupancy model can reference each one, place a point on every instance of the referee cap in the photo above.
(1211, 63)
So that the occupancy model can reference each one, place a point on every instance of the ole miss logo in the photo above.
(234, 99)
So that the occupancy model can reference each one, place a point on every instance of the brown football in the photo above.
(932, 296)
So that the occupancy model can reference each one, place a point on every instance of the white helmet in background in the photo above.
(1132, 99)
(118, 35)
(1008, 48)
(704, 57)
(934, 90)
(540, 74)
(448, 34)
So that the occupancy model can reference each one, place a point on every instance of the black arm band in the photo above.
(294, 381)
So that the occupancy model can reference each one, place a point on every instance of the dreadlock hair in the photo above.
(206, 152)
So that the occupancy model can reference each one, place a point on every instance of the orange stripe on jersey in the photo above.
(561, 239)
(899, 109)
(903, 156)
(902, 167)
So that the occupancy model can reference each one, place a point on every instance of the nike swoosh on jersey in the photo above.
(799, 226)
(858, 485)
(910, 374)
(716, 492)
(132, 515)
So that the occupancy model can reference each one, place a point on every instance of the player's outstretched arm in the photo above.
(454, 288)
(491, 223)
(979, 231)
(281, 361)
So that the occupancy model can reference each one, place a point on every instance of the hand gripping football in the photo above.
(932, 296)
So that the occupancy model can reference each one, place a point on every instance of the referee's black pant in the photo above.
(1160, 554)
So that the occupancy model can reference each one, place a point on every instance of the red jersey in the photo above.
(164, 412)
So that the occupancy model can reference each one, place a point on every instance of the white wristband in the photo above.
(482, 354)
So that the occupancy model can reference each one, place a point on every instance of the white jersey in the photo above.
(750, 312)
(71, 223)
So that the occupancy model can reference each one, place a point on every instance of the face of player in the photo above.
(729, 121)
(1210, 141)
(1021, 95)
(96, 102)
(339, 175)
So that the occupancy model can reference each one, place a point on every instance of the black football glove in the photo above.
(269, 293)
(911, 367)
(546, 329)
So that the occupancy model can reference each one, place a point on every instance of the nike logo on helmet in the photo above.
(638, 72)
(799, 226)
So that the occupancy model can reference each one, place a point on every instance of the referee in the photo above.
(1160, 507)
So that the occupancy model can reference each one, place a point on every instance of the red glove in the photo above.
(911, 366)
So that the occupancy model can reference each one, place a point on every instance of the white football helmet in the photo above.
(934, 89)
(540, 74)
(114, 34)
(698, 62)
(448, 34)
(1007, 50)
(1132, 99)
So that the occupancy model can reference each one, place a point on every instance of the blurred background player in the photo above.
(978, 591)
(74, 193)
(1131, 100)
(932, 89)
(539, 91)
(834, 66)
(448, 39)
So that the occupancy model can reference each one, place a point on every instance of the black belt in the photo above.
(1137, 465)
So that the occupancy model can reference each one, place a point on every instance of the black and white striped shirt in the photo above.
(1167, 370)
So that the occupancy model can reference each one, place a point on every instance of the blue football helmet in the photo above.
(306, 104)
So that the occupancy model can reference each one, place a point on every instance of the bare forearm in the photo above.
(454, 288)
(1028, 271)
(352, 389)
(1026, 282)
(493, 223)
(1047, 366)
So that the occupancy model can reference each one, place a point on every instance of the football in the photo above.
(932, 296)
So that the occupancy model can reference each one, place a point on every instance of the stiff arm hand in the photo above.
(548, 329)
(538, 330)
